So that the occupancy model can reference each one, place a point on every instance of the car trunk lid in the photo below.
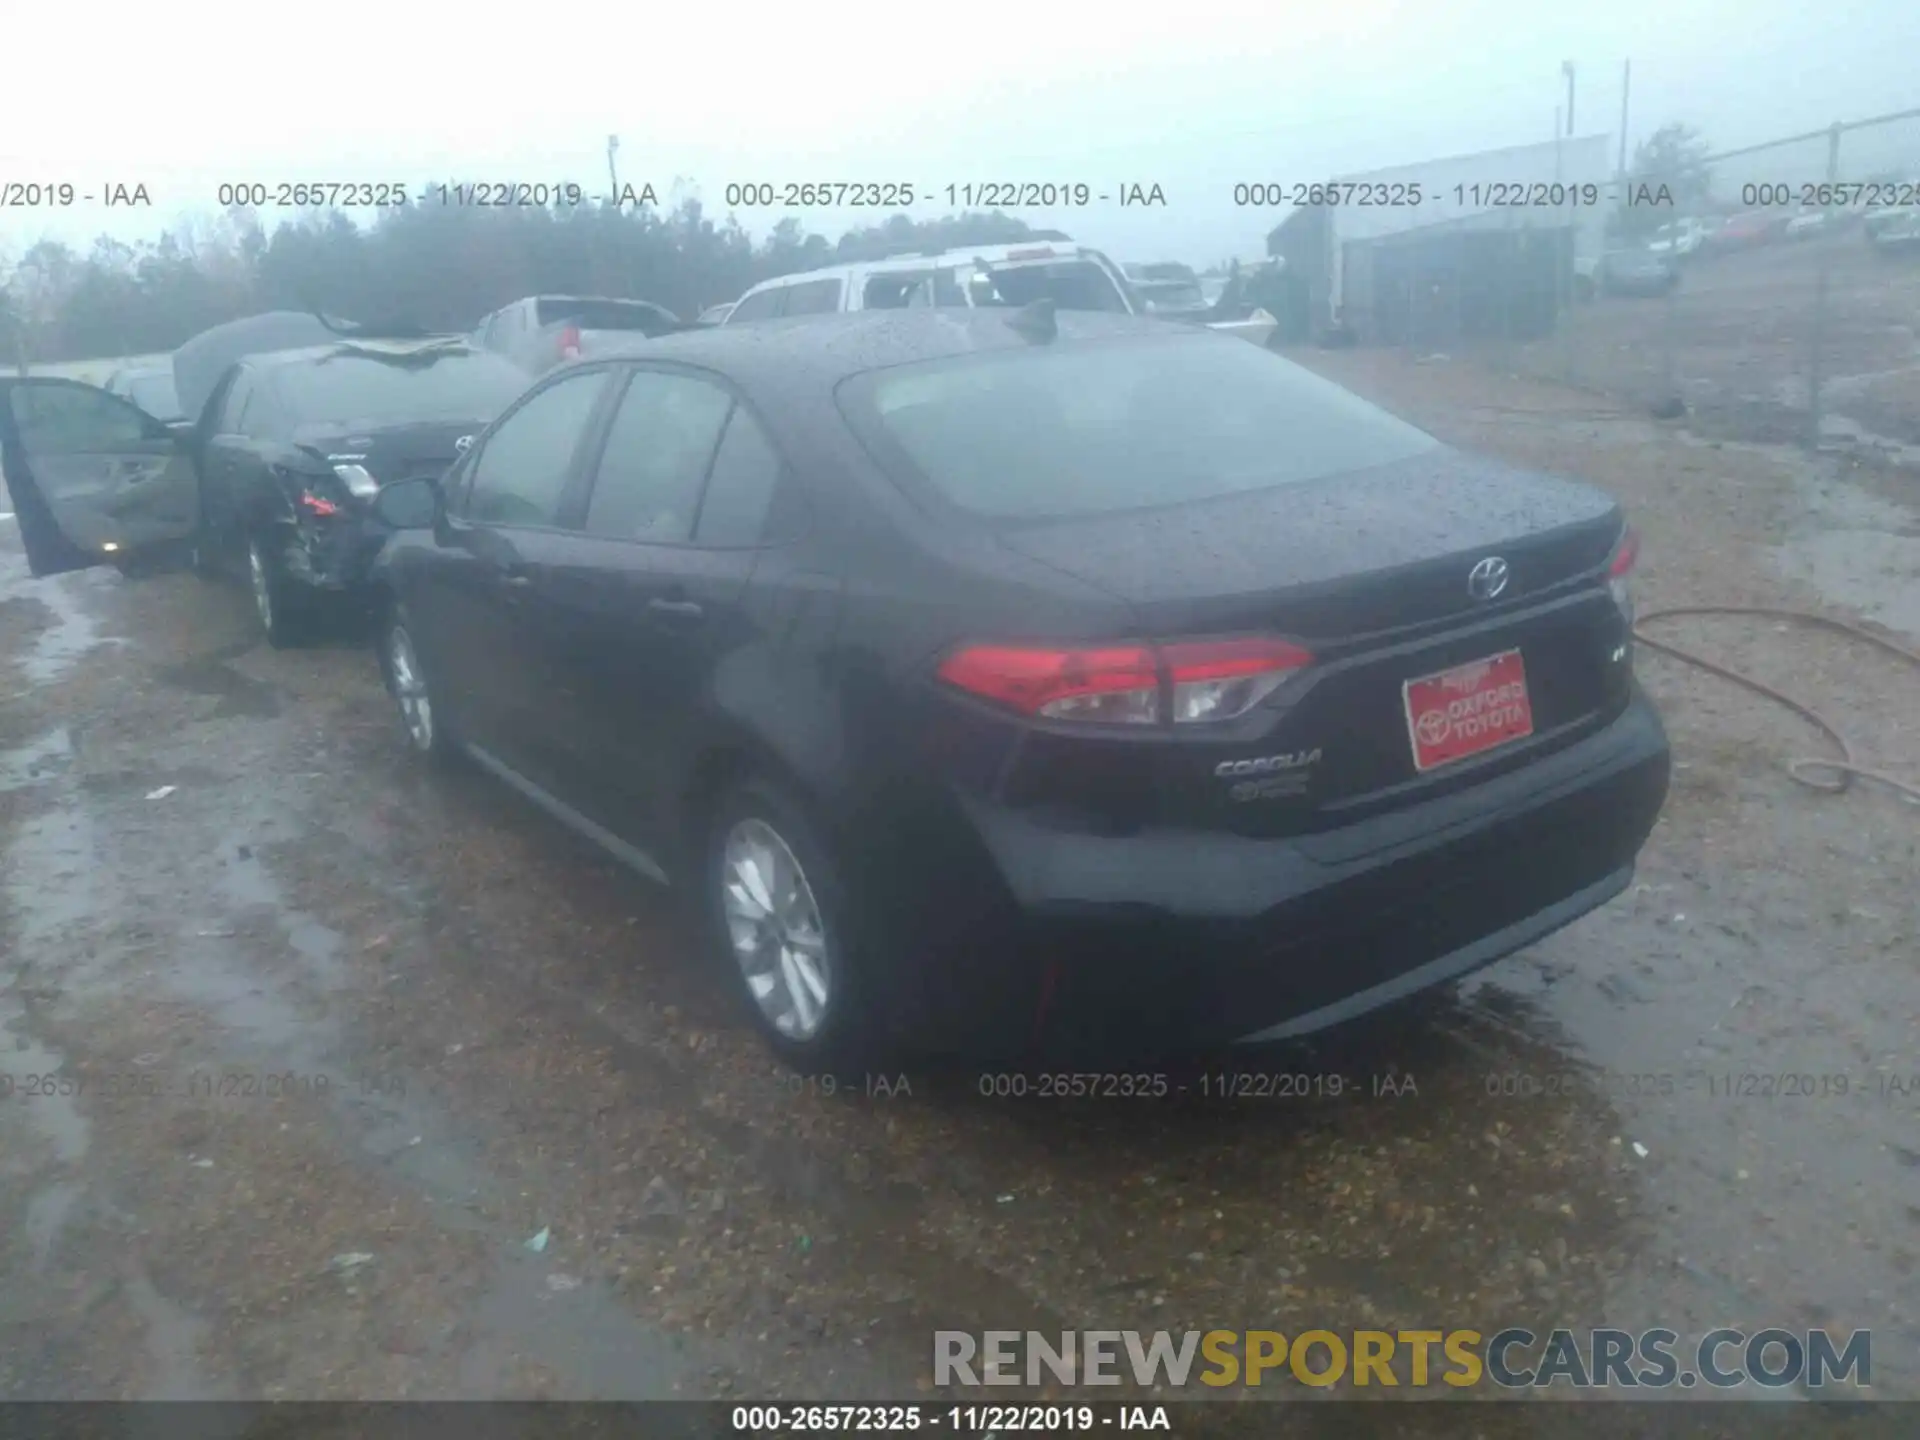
(1370, 573)
(394, 451)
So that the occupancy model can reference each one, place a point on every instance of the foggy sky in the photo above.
(1193, 97)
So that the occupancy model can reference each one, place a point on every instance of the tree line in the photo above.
(430, 265)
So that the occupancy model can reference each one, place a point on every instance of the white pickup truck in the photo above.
(541, 331)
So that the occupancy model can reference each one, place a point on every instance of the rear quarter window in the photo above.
(764, 305)
(1099, 427)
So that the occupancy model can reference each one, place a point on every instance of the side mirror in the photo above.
(180, 429)
(408, 504)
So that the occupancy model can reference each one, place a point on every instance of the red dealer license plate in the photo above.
(1468, 709)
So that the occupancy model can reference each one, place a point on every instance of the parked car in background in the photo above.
(1809, 223)
(1021, 675)
(1893, 231)
(1678, 240)
(542, 331)
(1168, 289)
(716, 314)
(1634, 273)
(299, 442)
(274, 481)
(1074, 277)
(150, 387)
(1744, 232)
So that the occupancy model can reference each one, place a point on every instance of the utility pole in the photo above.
(1566, 67)
(613, 173)
(1626, 85)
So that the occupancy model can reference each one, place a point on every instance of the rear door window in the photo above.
(740, 488)
(520, 477)
(814, 297)
(658, 449)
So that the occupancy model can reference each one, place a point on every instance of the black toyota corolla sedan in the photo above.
(1004, 676)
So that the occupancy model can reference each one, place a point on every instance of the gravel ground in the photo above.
(352, 1035)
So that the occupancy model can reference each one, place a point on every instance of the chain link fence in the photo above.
(1773, 291)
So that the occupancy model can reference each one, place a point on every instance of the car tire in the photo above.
(423, 717)
(813, 1001)
(285, 613)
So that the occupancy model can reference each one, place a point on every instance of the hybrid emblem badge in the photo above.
(1487, 579)
(1268, 777)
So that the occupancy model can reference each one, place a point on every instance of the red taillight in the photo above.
(1620, 570)
(1118, 683)
(314, 505)
(570, 343)
(1624, 555)
(1124, 684)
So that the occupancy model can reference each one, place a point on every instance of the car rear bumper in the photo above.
(1200, 939)
(336, 553)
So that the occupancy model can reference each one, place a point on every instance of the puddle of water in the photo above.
(53, 1114)
(72, 631)
(37, 761)
(1756, 1211)
(173, 1344)
(47, 1214)
(245, 882)
(583, 1334)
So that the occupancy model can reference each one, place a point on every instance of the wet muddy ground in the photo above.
(369, 1082)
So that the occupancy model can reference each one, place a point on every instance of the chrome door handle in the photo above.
(677, 609)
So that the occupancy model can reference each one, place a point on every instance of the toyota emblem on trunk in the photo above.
(1487, 579)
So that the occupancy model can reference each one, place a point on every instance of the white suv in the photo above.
(1074, 277)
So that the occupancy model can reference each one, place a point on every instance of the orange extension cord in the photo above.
(1840, 773)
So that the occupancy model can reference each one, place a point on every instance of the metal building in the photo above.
(1483, 244)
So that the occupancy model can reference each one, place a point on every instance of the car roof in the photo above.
(814, 353)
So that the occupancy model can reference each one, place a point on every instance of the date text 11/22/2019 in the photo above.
(1409, 194)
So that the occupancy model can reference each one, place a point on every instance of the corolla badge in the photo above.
(1487, 579)
(463, 443)
(1268, 777)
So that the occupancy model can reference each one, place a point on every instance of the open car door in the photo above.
(93, 479)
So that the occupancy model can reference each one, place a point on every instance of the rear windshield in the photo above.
(596, 314)
(460, 385)
(153, 393)
(1087, 429)
(1070, 284)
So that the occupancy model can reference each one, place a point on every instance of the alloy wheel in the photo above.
(774, 927)
(262, 584)
(410, 688)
